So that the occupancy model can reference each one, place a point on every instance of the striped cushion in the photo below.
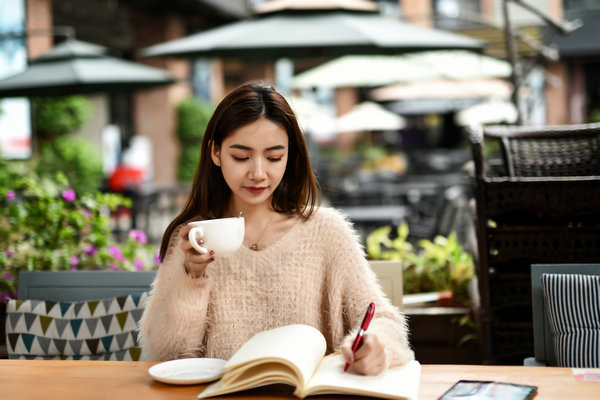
(573, 307)
(104, 329)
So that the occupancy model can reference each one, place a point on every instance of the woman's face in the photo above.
(253, 160)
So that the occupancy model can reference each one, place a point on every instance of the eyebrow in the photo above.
(242, 147)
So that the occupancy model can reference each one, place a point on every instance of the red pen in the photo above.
(362, 330)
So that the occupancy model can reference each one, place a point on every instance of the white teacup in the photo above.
(222, 235)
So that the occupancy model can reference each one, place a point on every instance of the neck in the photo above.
(251, 214)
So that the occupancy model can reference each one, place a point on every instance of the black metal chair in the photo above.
(536, 203)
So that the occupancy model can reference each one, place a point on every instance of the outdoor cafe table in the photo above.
(119, 380)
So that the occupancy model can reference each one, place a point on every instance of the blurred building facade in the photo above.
(568, 90)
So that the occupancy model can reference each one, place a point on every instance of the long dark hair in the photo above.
(298, 191)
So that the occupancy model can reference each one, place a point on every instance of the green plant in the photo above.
(438, 265)
(74, 157)
(55, 116)
(55, 119)
(192, 119)
(46, 225)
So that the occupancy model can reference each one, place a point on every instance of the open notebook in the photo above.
(295, 355)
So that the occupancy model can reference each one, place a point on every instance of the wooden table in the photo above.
(116, 380)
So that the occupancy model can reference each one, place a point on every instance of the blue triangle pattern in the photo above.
(75, 325)
(64, 307)
(27, 340)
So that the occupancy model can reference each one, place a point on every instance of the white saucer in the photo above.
(188, 371)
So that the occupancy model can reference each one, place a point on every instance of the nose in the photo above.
(257, 170)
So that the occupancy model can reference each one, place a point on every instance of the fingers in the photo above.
(195, 263)
(369, 359)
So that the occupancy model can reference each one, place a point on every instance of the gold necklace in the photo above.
(254, 246)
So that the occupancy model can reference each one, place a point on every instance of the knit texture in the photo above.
(315, 274)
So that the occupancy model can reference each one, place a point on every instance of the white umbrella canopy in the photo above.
(312, 117)
(298, 29)
(75, 67)
(444, 89)
(369, 116)
(371, 71)
(361, 71)
(491, 112)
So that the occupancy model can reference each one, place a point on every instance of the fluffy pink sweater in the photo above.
(316, 274)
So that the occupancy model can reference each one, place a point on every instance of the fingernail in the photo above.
(211, 253)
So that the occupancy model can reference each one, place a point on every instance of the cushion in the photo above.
(573, 307)
(104, 329)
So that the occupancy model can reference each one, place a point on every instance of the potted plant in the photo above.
(438, 269)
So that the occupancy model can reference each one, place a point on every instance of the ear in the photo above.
(215, 154)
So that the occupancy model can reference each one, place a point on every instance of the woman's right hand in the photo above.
(195, 263)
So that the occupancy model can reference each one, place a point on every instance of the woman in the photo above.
(299, 263)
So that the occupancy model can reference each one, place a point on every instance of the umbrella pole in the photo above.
(514, 61)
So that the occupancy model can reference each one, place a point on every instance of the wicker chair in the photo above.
(537, 203)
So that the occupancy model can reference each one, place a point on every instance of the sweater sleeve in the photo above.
(356, 284)
(174, 321)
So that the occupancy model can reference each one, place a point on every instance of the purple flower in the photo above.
(8, 276)
(10, 195)
(68, 195)
(138, 264)
(91, 250)
(139, 236)
(73, 261)
(116, 253)
(6, 295)
(8, 253)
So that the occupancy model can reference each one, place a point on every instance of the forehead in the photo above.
(261, 133)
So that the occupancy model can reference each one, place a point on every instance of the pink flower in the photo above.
(68, 195)
(138, 264)
(139, 236)
(116, 253)
(8, 253)
(73, 261)
(73, 268)
(91, 250)
(157, 258)
(10, 195)
(113, 266)
(87, 213)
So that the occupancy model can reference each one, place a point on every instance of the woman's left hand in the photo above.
(369, 359)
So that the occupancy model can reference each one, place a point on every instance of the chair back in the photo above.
(561, 150)
(82, 285)
(389, 276)
(544, 352)
(77, 315)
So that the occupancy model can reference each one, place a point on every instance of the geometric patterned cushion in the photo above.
(104, 329)
(573, 307)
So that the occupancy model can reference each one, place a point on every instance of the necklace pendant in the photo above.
(254, 247)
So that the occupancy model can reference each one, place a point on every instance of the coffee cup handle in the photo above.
(193, 235)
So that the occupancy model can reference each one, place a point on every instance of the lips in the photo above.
(255, 190)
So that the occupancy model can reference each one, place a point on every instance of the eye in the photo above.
(240, 159)
(275, 159)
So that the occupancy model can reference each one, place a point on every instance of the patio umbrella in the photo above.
(75, 67)
(492, 112)
(369, 116)
(370, 71)
(306, 29)
(444, 89)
